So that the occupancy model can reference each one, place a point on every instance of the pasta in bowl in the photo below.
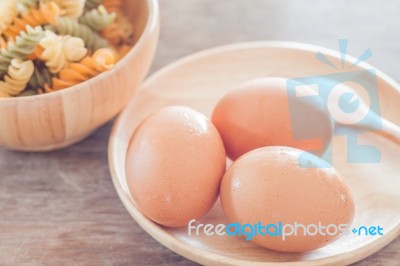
(68, 67)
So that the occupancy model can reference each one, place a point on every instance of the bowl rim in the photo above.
(150, 27)
(207, 257)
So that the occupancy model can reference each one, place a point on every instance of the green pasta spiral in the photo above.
(76, 40)
(92, 4)
(68, 26)
(24, 45)
(98, 19)
(40, 77)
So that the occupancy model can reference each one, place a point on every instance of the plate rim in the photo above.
(207, 257)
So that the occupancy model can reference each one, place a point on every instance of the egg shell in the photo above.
(268, 185)
(174, 165)
(258, 113)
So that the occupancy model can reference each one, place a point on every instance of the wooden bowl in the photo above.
(58, 119)
(199, 81)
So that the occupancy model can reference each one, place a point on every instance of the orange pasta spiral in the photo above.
(121, 30)
(47, 13)
(8, 11)
(112, 6)
(3, 43)
(102, 60)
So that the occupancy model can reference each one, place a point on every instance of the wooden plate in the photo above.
(199, 81)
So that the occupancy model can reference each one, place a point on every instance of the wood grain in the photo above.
(50, 121)
(199, 81)
(60, 208)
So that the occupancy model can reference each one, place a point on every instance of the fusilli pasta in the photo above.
(47, 13)
(73, 8)
(98, 19)
(18, 74)
(59, 51)
(68, 26)
(24, 45)
(3, 43)
(83, 38)
(119, 32)
(102, 60)
(92, 4)
(113, 6)
(8, 11)
(25, 5)
(40, 77)
(36, 53)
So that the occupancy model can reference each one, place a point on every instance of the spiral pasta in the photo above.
(119, 32)
(68, 26)
(47, 13)
(59, 51)
(98, 19)
(113, 6)
(24, 45)
(70, 51)
(92, 4)
(25, 5)
(102, 60)
(40, 77)
(8, 11)
(3, 43)
(73, 8)
(18, 74)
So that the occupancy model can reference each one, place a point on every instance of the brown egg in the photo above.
(258, 113)
(270, 186)
(174, 165)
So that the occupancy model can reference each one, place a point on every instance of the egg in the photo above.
(269, 185)
(174, 165)
(260, 113)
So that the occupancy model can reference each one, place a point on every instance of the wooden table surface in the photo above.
(60, 208)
